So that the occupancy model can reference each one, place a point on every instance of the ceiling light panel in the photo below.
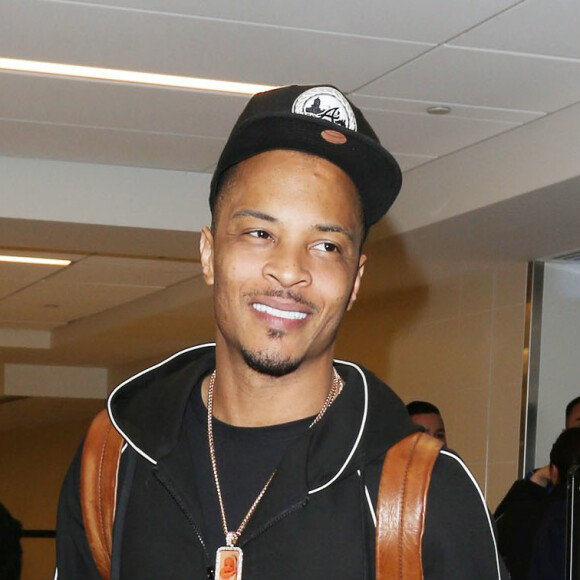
(34, 260)
(127, 76)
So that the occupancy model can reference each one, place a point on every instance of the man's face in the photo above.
(573, 419)
(433, 424)
(284, 259)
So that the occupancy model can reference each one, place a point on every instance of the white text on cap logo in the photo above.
(328, 104)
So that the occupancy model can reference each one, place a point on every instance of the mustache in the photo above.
(286, 295)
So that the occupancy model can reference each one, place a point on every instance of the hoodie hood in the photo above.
(364, 421)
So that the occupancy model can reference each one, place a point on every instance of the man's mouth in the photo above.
(287, 314)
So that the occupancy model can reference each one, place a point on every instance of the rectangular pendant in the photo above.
(228, 563)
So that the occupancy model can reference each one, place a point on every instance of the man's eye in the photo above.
(327, 247)
(260, 234)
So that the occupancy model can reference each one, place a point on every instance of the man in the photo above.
(532, 530)
(261, 456)
(10, 548)
(428, 416)
(537, 484)
(548, 560)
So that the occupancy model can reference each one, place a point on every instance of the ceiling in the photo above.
(115, 175)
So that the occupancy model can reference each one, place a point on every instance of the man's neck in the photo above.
(247, 398)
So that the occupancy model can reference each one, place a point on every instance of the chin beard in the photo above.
(271, 365)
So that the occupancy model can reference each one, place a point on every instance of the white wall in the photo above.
(559, 370)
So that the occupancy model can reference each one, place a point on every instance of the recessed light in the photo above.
(127, 76)
(439, 110)
(32, 260)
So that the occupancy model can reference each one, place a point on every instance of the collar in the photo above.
(148, 408)
(364, 421)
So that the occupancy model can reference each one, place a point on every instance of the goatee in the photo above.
(271, 365)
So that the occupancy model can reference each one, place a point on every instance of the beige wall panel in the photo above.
(459, 344)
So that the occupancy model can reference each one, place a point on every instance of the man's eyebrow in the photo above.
(255, 214)
(318, 227)
(334, 229)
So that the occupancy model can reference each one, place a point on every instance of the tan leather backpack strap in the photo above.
(99, 469)
(401, 507)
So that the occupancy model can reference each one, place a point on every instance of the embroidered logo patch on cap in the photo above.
(326, 103)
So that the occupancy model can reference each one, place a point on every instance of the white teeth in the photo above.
(288, 314)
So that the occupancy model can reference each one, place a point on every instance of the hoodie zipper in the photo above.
(177, 499)
(293, 508)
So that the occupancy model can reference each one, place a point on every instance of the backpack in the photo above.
(401, 505)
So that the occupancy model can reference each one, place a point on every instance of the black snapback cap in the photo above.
(319, 120)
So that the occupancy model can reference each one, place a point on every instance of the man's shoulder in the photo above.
(454, 472)
(386, 417)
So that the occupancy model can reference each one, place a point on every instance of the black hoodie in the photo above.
(316, 520)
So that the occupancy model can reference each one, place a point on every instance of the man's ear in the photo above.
(357, 280)
(206, 255)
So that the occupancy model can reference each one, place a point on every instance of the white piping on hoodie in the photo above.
(369, 501)
(127, 439)
(191, 349)
(486, 511)
(360, 432)
(372, 508)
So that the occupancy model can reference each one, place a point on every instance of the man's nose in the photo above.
(288, 266)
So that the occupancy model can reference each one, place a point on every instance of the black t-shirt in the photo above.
(246, 457)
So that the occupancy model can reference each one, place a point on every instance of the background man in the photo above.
(548, 560)
(538, 483)
(10, 548)
(261, 454)
(532, 530)
(428, 416)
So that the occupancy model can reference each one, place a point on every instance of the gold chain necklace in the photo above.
(229, 558)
